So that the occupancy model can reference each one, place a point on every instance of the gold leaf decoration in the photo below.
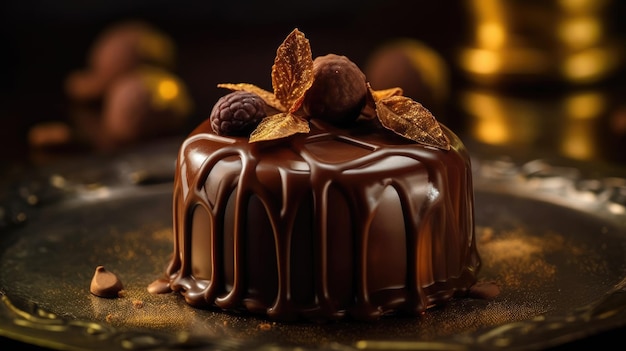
(280, 125)
(269, 98)
(410, 119)
(369, 111)
(385, 93)
(292, 76)
(296, 105)
(292, 72)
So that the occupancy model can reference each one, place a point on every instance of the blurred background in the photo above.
(514, 77)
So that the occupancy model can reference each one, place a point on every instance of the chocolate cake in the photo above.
(299, 215)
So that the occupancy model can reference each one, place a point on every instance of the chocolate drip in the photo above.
(325, 225)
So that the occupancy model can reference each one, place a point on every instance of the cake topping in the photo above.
(412, 120)
(339, 90)
(237, 113)
(292, 72)
(331, 88)
(292, 75)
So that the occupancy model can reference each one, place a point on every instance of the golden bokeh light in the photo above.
(481, 61)
(579, 32)
(588, 65)
(584, 105)
(516, 41)
(168, 89)
(497, 120)
(491, 35)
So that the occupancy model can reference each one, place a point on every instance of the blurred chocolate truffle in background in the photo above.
(127, 94)
(415, 67)
(141, 105)
(117, 51)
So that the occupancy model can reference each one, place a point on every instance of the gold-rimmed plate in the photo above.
(554, 241)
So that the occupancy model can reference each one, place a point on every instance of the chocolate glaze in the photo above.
(338, 223)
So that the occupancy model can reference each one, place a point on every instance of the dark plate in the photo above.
(553, 240)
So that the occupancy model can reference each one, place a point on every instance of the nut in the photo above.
(237, 113)
(339, 90)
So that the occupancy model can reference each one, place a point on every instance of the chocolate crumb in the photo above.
(484, 290)
(105, 283)
(138, 304)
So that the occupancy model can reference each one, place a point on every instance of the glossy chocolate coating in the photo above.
(338, 223)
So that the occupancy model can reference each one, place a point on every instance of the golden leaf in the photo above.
(292, 72)
(369, 111)
(409, 118)
(280, 125)
(385, 93)
(267, 96)
(296, 104)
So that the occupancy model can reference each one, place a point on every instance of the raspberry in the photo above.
(237, 113)
(339, 90)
